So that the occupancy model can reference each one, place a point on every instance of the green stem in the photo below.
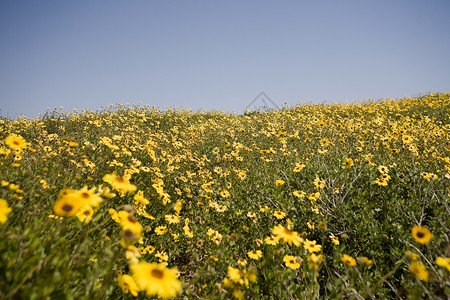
(25, 278)
(316, 293)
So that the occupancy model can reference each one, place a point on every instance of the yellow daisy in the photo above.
(4, 210)
(299, 194)
(156, 280)
(172, 219)
(69, 203)
(122, 184)
(271, 240)
(443, 262)
(292, 262)
(421, 234)
(15, 142)
(419, 270)
(311, 246)
(279, 182)
(298, 167)
(127, 284)
(255, 254)
(348, 260)
(279, 215)
(289, 236)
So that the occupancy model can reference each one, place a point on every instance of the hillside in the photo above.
(314, 201)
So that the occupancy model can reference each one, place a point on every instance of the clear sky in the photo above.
(218, 54)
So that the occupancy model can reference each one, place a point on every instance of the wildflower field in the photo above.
(325, 201)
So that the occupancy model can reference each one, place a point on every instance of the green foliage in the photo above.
(364, 175)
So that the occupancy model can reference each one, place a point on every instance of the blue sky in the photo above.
(218, 54)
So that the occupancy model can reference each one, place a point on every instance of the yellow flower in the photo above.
(238, 294)
(279, 214)
(348, 260)
(160, 230)
(324, 142)
(15, 142)
(172, 219)
(443, 262)
(385, 177)
(318, 183)
(383, 169)
(251, 214)
(127, 284)
(407, 139)
(221, 208)
(106, 192)
(162, 256)
(235, 275)
(429, 176)
(214, 258)
(263, 208)
(217, 238)
(419, 270)
(150, 249)
(240, 276)
(271, 240)
(140, 199)
(348, 163)
(122, 184)
(90, 197)
(156, 280)
(292, 262)
(255, 254)
(421, 234)
(381, 182)
(242, 262)
(279, 182)
(299, 194)
(311, 246)
(4, 210)
(85, 214)
(69, 203)
(128, 222)
(289, 236)
(314, 196)
(298, 167)
(225, 194)
(178, 206)
(334, 239)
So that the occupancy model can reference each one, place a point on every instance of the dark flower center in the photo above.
(288, 232)
(420, 235)
(131, 219)
(85, 195)
(157, 273)
(67, 208)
